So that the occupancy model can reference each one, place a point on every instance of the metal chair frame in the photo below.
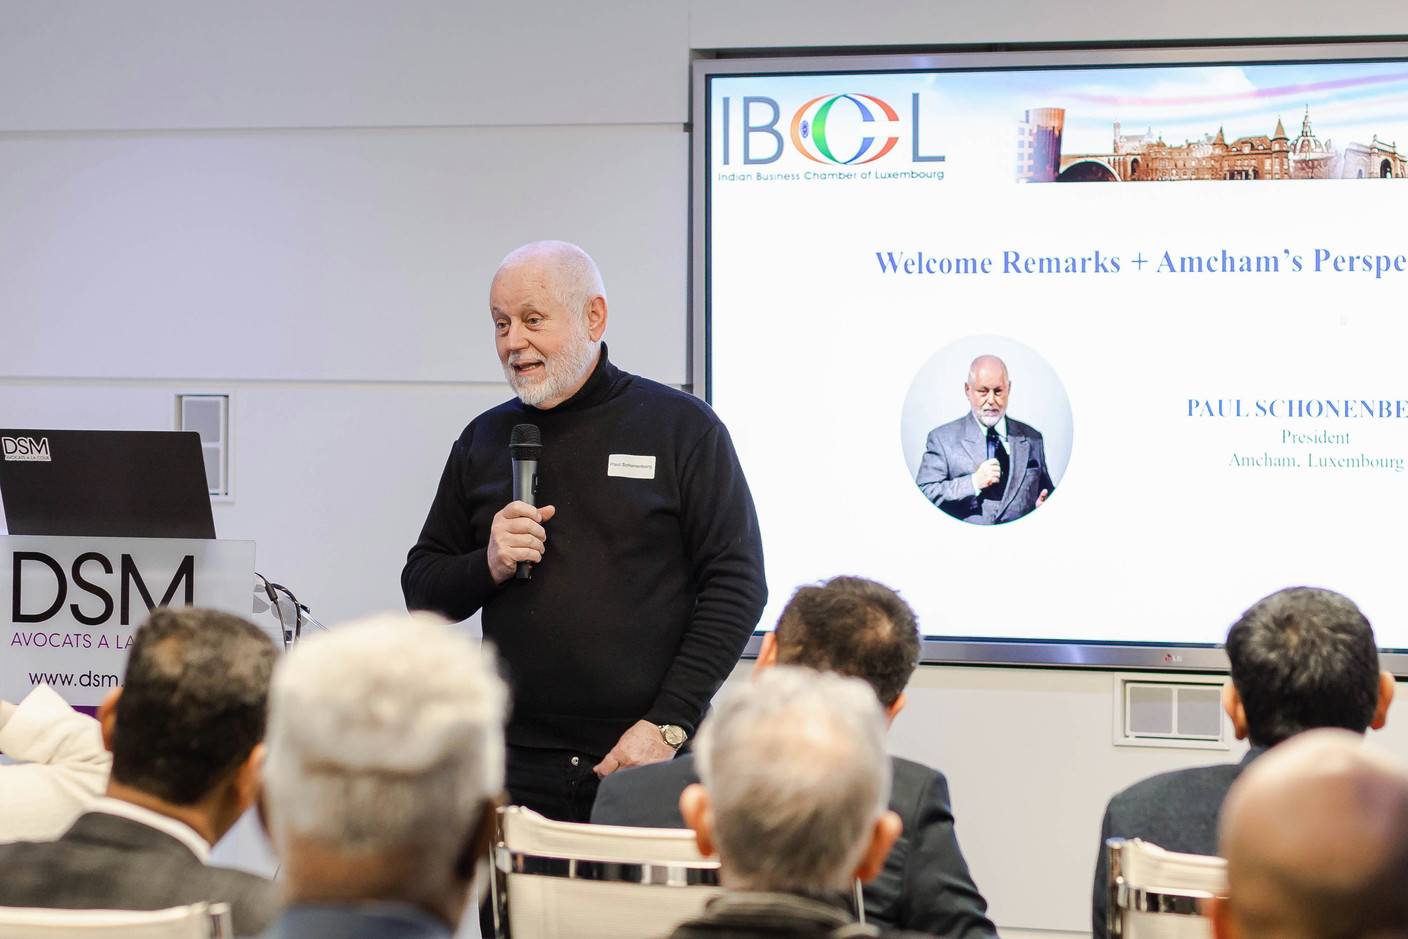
(704, 873)
(214, 919)
(1127, 897)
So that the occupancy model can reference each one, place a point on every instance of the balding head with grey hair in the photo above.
(795, 783)
(1316, 839)
(386, 756)
(573, 276)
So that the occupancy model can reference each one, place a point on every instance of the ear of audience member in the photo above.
(795, 784)
(386, 758)
(1316, 839)
(1303, 658)
(187, 725)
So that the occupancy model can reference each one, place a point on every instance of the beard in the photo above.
(562, 372)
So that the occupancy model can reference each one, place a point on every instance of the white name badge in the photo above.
(630, 466)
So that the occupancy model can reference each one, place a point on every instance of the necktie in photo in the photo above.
(1004, 463)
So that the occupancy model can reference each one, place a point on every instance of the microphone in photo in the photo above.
(525, 448)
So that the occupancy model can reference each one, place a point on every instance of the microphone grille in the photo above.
(526, 442)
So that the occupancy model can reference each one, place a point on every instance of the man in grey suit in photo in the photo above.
(863, 630)
(985, 467)
(1302, 658)
(185, 731)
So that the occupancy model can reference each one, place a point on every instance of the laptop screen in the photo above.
(105, 483)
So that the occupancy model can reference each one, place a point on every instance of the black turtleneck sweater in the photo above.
(648, 588)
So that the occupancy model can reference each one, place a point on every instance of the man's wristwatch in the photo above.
(674, 735)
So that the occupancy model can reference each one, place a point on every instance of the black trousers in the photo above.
(558, 784)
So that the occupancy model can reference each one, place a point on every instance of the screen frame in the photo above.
(979, 651)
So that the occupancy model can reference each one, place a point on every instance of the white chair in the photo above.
(1158, 894)
(197, 921)
(560, 880)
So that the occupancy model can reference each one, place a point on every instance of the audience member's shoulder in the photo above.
(653, 774)
(912, 783)
(645, 796)
(254, 901)
(1180, 783)
(14, 853)
(910, 770)
(232, 875)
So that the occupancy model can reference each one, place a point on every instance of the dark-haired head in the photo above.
(1304, 658)
(193, 705)
(855, 627)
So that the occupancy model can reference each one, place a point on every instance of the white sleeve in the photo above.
(63, 767)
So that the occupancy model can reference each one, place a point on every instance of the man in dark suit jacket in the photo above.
(1301, 658)
(985, 467)
(863, 630)
(185, 732)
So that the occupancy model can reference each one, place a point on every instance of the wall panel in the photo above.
(92, 65)
(334, 255)
(759, 24)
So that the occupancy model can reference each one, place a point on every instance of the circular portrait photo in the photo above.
(986, 430)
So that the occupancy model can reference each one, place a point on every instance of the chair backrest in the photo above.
(1158, 894)
(197, 921)
(560, 880)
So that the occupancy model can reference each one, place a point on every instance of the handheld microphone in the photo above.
(525, 448)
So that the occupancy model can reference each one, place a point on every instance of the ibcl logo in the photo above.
(812, 119)
(846, 129)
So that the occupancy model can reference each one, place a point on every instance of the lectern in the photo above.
(103, 526)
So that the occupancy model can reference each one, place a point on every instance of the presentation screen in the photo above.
(1082, 352)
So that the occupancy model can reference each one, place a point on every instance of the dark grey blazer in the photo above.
(106, 862)
(925, 885)
(1177, 811)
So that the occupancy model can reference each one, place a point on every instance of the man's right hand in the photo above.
(517, 535)
(987, 473)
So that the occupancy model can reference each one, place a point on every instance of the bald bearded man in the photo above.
(1316, 839)
(646, 558)
(985, 467)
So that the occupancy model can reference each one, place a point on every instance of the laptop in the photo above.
(105, 483)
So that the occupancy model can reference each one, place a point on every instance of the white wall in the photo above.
(841, 23)
(301, 202)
